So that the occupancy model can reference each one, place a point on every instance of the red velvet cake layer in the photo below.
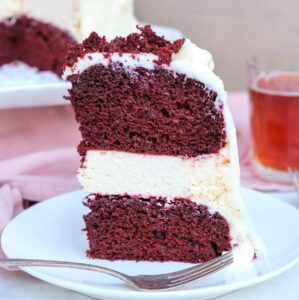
(36, 43)
(145, 42)
(133, 228)
(145, 111)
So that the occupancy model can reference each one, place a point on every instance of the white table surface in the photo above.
(19, 285)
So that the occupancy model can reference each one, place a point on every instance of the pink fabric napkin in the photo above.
(38, 157)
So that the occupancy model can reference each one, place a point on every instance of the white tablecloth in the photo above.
(19, 285)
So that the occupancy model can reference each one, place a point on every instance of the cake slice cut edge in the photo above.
(155, 124)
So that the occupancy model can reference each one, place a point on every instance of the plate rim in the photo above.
(201, 291)
(33, 87)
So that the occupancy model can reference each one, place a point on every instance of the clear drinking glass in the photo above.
(273, 79)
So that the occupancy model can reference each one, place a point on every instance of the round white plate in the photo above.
(52, 230)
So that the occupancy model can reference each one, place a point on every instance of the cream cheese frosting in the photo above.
(192, 61)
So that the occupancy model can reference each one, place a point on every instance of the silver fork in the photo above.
(294, 173)
(140, 282)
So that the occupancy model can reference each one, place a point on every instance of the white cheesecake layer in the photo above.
(117, 173)
(80, 17)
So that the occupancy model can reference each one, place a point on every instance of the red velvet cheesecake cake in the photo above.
(38, 32)
(159, 152)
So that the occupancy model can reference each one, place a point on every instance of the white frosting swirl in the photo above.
(195, 55)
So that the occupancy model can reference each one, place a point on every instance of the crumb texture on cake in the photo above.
(145, 111)
(153, 229)
(34, 42)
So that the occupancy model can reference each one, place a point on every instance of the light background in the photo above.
(231, 30)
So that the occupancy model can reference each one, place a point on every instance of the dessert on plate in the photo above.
(159, 152)
(38, 32)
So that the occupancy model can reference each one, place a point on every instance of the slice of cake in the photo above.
(39, 32)
(159, 152)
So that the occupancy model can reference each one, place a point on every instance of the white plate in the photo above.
(34, 95)
(52, 230)
(23, 86)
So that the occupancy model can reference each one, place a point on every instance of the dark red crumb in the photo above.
(36, 43)
(145, 111)
(144, 42)
(134, 228)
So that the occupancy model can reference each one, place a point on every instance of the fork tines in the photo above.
(201, 270)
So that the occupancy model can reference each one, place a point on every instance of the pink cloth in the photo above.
(38, 157)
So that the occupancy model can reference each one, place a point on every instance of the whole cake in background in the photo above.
(38, 32)
(159, 152)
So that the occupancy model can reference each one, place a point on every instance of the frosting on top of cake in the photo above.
(146, 50)
(195, 55)
(135, 43)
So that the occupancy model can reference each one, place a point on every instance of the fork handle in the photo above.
(12, 262)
